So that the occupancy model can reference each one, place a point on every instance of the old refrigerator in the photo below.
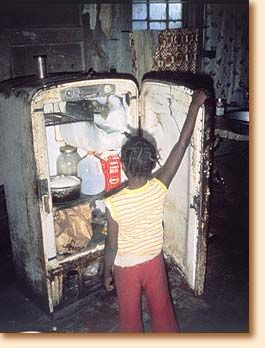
(33, 114)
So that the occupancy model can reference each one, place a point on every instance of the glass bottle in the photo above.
(67, 160)
(220, 107)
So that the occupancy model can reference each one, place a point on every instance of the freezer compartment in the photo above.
(90, 115)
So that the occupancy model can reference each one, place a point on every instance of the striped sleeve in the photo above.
(161, 184)
(109, 204)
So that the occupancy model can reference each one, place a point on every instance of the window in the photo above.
(157, 14)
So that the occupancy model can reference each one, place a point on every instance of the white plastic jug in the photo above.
(90, 171)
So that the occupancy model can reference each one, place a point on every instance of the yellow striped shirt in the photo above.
(139, 214)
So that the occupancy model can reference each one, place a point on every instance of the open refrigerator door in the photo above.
(164, 107)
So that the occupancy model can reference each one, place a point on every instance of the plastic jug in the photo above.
(90, 171)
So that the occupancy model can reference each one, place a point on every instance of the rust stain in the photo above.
(205, 193)
(87, 278)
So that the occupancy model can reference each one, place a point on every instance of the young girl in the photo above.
(133, 250)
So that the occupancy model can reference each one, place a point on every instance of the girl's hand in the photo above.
(199, 96)
(107, 283)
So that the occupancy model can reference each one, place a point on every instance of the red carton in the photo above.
(111, 166)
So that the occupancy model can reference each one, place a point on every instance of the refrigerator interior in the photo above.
(81, 114)
(90, 116)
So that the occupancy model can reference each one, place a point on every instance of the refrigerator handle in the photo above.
(43, 193)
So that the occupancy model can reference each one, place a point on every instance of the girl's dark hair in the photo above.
(139, 156)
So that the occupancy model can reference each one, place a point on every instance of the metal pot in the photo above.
(65, 188)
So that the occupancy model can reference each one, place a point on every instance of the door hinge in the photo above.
(43, 193)
(43, 188)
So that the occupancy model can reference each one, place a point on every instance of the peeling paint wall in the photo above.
(106, 30)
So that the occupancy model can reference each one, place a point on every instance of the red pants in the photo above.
(151, 277)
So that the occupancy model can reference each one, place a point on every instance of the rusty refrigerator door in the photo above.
(164, 106)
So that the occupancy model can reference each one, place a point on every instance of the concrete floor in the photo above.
(222, 308)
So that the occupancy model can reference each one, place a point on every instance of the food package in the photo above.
(111, 166)
(73, 228)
